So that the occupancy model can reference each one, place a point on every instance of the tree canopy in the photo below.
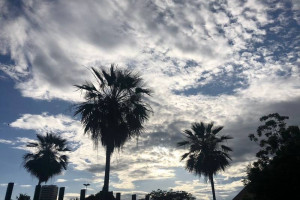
(275, 175)
(23, 197)
(207, 152)
(48, 158)
(170, 195)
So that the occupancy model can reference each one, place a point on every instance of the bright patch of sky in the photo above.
(224, 61)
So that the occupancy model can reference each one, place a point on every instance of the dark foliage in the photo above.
(48, 160)
(207, 154)
(170, 195)
(275, 175)
(101, 195)
(270, 137)
(23, 197)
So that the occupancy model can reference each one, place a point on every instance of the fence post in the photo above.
(118, 197)
(134, 197)
(9, 190)
(82, 194)
(147, 197)
(61, 193)
(37, 192)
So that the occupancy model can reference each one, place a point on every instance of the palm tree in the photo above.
(207, 155)
(48, 159)
(113, 111)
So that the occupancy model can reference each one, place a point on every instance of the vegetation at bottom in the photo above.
(23, 197)
(170, 195)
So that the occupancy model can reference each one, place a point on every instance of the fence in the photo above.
(61, 193)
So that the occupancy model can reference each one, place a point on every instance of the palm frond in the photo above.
(32, 144)
(98, 75)
(217, 130)
(183, 143)
(226, 148)
(209, 127)
(189, 133)
(184, 156)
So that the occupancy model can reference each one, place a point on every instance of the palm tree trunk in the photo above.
(107, 170)
(211, 178)
(37, 191)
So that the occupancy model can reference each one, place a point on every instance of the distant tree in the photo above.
(275, 175)
(170, 195)
(114, 110)
(23, 197)
(48, 159)
(99, 196)
(270, 137)
(207, 154)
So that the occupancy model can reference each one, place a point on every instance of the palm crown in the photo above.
(114, 111)
(48, 159)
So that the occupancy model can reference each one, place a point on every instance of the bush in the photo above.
(170, 195)
(23, 197)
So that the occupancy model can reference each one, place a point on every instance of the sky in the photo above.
(223, 61)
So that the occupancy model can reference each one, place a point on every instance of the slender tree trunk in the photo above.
(211, 178)
(107, 170)
(37, 191)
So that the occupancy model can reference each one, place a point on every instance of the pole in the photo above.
(9, 190)
(61, 193)
(82, 194)
(118, 197)
(134, 197)
(147, 197)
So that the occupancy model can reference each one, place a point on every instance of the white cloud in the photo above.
(46, 122)
(72, 195)
(176, 32)
(6, 141)
(25, 186)
(60, 180)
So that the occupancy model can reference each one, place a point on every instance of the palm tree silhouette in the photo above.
(48, 159)
(207, 155)
(114, 110)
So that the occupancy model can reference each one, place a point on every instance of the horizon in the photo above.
(227, 62)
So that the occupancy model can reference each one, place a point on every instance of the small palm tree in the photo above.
(113, 111)
(48, 159)
(207, 155)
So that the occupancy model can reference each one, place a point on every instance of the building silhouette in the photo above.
(48, 192)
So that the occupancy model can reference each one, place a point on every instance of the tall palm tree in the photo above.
(48, 159)
(207, 155)
(114, 110)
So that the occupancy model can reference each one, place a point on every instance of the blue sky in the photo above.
(229, 62)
